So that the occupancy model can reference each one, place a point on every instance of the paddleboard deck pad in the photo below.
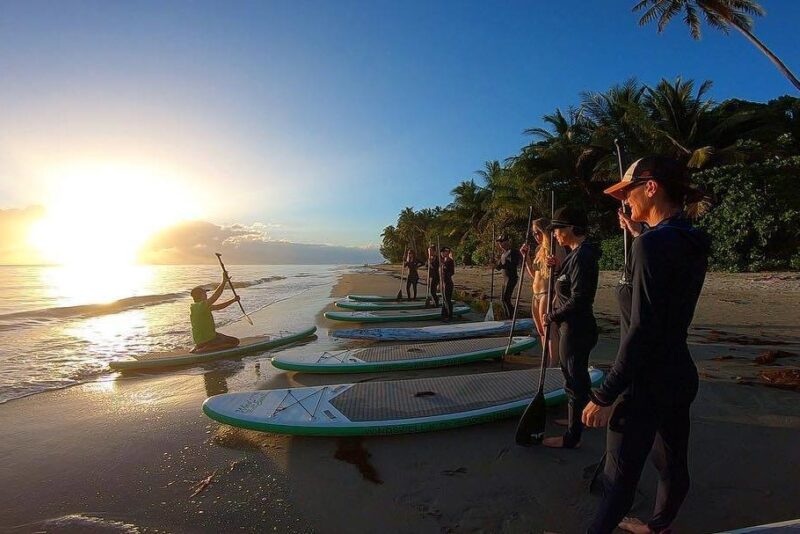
(379, 298)
(391, 407)
(438, 332)
(378, 306)
(392, 315)
(398, 357)
(183, 357)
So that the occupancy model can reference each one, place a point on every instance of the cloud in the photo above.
(196, 242)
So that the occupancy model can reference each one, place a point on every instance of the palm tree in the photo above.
(720, 14)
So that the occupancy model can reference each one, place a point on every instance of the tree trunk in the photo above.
(772, 57)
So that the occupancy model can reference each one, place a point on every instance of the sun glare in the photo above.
(103, 215)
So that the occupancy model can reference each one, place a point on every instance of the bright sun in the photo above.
(102, 215)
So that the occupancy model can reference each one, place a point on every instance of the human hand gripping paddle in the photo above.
(230, 284)
(530, 428)
(519, 286)
(490, 311)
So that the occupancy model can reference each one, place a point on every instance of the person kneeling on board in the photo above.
(653, 378)
(448, 270)
(575, 287)
(205, 335)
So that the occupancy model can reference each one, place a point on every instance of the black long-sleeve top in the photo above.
(576, 284)
(509, 266)
(412, 267)
(668, 268)
(448, 270)
(433, 269)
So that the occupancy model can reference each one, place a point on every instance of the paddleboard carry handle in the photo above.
(230, 284)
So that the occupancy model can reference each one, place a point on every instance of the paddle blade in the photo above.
(530, 429)
(489, 313)
(400, 295)
(427, 302)
(249, 320)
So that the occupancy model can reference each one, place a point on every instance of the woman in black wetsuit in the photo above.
(412, 264)
(576, 285)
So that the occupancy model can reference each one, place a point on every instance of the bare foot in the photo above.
(635, 525)
(557, 442)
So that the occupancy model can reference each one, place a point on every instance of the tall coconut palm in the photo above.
(719, 14)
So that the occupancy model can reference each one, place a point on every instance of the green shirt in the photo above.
(202, 322)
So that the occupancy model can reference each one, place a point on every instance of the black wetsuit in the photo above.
(433, 279)
(513, 259)
(576, 285)
(448, 270)
(413, 277)
(654, 373)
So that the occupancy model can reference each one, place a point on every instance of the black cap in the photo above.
(569, 216)
(503, 237)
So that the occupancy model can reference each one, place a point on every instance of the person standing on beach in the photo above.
(448, 270)
(654, 380)
(433, 273)
(575, 287)
(412, 264)
(510, 261)
(204, 332)
(536, 266)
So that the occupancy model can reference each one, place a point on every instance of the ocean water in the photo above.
(60, 326)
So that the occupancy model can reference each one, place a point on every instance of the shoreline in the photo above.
(137, 449)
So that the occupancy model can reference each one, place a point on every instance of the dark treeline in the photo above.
(746, 155)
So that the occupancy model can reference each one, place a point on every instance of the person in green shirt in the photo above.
(205, 335)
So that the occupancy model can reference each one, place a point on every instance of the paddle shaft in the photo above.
(519, 286)
(230, 284)
(494, 263)
(624, 279)
(402, 273)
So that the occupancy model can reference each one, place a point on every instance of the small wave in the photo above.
(249, 283)
(88, 310)
(82, 523)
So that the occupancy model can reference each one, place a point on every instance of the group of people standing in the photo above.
(441, 266)
(644, 400)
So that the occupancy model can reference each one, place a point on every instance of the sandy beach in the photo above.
(136, 454)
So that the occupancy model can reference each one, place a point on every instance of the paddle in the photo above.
(624, 279)
(530, 428)
(428, 285)
(441, 276)
(230, 284)
(402, 272)
(490, 311)
(519, 286)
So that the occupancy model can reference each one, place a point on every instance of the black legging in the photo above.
(411, 283)
(635, 430)
(447, 302)
(507, 298)
(434, 285)
(577, 339)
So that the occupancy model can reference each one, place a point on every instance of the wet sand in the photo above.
(137, 453)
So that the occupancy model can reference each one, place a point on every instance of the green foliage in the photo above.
(746, 152)
(613, 249)
(755, 224)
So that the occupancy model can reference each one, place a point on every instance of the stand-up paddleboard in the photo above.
(391, 407)
(184, 357)
(773, 528)
(397, 357)
(377, 306)
(392, 315)
(379, 298)
(436, 333)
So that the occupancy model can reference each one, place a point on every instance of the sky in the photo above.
(318, 121)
